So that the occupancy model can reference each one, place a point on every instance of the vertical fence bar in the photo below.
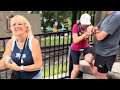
(40, 40)
(4, 44)
(58, 54)
(70, 61)
(44, 54)
(62, 55)
(67, 52)
(54, 55)
(49, 53)
(74, 13)
(4, 50)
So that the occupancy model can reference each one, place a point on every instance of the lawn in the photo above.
(67, 40)
(55, 41)
(56, 72)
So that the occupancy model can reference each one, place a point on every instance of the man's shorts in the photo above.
(75, 55)
(104, 64)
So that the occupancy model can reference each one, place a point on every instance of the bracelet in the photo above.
(21, 68)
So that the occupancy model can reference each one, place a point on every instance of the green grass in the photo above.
(56, 41)
(55, 70)
(67, 40)
(90, 39)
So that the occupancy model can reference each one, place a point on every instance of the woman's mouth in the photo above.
(17, 29)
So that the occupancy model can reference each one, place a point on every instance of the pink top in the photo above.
(80, 45)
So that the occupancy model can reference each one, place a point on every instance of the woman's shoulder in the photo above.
(10, 41)
(34, 40)
(9, 44)
(33, 43)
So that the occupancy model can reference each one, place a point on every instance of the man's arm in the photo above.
(100, 35)
(110, 28)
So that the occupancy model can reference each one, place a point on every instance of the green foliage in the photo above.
(52, 16)
(69, 23)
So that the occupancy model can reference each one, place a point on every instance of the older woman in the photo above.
(23, 54)
(80, 41)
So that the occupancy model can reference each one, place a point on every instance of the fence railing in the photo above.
(55, 54)
(55, 47)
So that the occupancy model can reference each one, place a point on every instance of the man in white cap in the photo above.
(80, 34)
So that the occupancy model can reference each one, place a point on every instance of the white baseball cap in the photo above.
(85, 19)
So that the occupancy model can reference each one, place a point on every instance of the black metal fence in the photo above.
(55, 47)
(55, 53)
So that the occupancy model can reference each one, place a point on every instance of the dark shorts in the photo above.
(104, 64)
(75, 55)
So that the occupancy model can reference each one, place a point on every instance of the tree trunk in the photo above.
(74, 17)
(98, 17)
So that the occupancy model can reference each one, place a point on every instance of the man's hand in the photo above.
(96, 30)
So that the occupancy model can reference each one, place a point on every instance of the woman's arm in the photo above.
(2, 64)
(6, 53)
(77, 38)
(37, 57)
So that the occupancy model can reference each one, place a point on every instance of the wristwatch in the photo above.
(21, 68)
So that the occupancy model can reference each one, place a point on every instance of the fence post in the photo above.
(70, 66)
(74, 17)
(74, 20)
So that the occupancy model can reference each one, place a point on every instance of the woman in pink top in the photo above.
(80, 41)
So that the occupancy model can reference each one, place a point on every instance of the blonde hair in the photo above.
(30, 34)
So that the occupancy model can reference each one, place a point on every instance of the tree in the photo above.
(52, 16)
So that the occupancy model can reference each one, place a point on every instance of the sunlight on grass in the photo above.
(66, 40)
(56, 41)
(55, 70)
